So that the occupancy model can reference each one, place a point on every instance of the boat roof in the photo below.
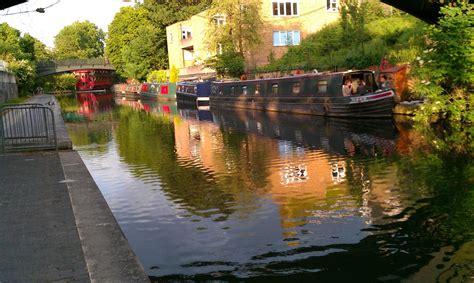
(322, 74)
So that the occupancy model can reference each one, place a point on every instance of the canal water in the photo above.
(225, 194)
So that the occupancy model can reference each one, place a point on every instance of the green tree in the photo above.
(122, 30)
(36, 50)
(227, 64)
(21, 54)
(80, 40)
(165, 13)
(10, 43)
(143, 54)
(25, 73)
(136, 42)
(233, 32)
(354, 16)
(234, 26)
(59, 82)
(444, 73)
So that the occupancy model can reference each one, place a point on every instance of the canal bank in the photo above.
(55, 223)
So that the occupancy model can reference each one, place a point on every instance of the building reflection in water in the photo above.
(307, 165)
(256, 191)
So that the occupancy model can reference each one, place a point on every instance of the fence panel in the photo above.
(27, 127)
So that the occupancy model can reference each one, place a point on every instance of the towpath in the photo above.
(54, 223)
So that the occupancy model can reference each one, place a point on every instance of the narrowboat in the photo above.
(127, 90)
(93, 79)
(196, 93)
(158, 91)
(340, 94)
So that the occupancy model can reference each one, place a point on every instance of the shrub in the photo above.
(227, 64)
(444, 72)
(157, 76)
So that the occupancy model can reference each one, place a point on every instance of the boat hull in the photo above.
(196, 93)
(127, 90)
(372, 105)
(158, 91)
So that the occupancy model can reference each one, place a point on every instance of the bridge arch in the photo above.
(46, 68)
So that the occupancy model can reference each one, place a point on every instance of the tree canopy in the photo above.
(80, 40)
(444, 71)
(21, 54)
(233, 32)
(238, 29)
(136, 43)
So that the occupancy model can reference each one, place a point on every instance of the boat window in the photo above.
(275, 88)
(322, 86)
(296, 88)
(244, 90)
(232, 90)
(369, 82)
(257, 89)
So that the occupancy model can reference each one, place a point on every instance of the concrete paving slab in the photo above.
(55, 225)
(39, 241)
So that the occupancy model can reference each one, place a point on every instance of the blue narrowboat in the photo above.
(194, 92)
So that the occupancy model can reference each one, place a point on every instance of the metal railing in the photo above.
(27, 127)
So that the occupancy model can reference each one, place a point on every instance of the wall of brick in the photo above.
(312, 15)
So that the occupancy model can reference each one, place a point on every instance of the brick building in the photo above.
(285, 22)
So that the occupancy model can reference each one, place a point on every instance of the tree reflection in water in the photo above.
(353, 200)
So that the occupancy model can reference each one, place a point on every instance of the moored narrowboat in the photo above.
(158, 91)
(127, 90)
(196, 93)
(340, 94)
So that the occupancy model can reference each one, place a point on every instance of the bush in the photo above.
(157, 76)
(227, 64)
(59, 83)
(25, 73)
(398, 37)
(174, 72)
(444, 72)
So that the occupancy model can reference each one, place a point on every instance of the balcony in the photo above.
(187, 43)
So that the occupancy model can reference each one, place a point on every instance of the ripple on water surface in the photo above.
(202, 200)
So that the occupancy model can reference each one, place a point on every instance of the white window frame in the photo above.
(186, 33)
(188, 55)
(219, 19)
(281, 7)
(283, 37)
(332, 6)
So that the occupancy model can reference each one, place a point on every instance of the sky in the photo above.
(47, 25)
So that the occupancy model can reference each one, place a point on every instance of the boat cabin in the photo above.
(310, 85)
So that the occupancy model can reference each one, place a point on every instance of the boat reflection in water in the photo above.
(309, 156)
(91, 103)
(149, 105)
